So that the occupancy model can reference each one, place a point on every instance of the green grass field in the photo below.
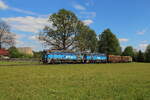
(18, 63)
(76, 82)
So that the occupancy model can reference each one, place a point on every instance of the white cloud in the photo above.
(142, 32)
(87, 22)
(3, 5)
(19, 36)
(88, 15)
(23, 11)
(27, 24)
(143, 46)
(34, 37)
(6, 7)
(31, 41)
(79, 7)
(35, 46)
(19, 42)
(123, 40)
(144, 41)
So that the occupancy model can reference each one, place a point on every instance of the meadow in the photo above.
(127, 81)
(13, 63)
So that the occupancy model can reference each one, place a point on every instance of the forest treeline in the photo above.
(68, 33)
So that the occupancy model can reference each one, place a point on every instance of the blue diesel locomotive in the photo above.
(63, 57)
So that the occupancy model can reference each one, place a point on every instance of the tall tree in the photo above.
(140, 56)
(6, 37)
(108, 43)
(86, 39)
(128, 51)
(61, 34)
(91, 40)
(147, 54)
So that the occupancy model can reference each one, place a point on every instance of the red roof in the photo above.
(4, 52)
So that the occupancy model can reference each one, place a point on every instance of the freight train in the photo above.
(69, 57)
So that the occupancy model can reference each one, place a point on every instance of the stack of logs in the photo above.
(119, 59)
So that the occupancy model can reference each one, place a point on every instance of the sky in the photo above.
(129, 20)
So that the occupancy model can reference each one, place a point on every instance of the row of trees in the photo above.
(68, 33)
(137, 56)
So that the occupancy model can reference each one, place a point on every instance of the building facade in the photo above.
(25, 50)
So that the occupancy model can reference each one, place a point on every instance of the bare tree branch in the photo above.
(6, 37)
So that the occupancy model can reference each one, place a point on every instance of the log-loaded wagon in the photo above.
(119, 59)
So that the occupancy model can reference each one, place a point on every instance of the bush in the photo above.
(14, 53)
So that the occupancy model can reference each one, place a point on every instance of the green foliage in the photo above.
(25, 55)
(147, 54)
(86, 39)
(128, 51)
(91, 40)
(108, 43)
(14, 53)
(61, 35)
(140, 56)
(75, 82)
(68, 33)
(37, 54)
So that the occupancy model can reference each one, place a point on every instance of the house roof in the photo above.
(4, 52)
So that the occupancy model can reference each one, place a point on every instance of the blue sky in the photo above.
(128, 19)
